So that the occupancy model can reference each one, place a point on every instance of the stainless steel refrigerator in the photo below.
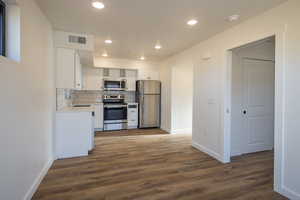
(148, 96)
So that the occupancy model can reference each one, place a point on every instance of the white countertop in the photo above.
(77, 109)
(82, 109)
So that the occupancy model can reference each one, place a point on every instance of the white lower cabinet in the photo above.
(74, 134)
(132, 115)
(99, 116)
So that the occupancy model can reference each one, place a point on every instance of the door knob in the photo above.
(244, 112)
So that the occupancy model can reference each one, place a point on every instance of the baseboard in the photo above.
(38, 180)
(165, 129)
(182, 131)
(289, 193)
(208, 151)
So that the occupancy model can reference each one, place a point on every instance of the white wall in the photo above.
(146, 69)
(211, 88)
(261, 50)
(177, 102)
(166, 100)
(27, 107)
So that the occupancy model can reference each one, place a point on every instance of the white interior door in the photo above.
(258, 105)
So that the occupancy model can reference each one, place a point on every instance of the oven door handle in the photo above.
(115, 106)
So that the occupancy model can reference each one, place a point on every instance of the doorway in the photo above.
(252, 97)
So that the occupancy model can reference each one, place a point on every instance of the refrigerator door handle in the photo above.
(142, 110)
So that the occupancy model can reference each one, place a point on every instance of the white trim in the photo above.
(165, 129)
(279, 128)
(288, 193)
(38, 180)
(227, 109)
(208, 151)
(182, 131)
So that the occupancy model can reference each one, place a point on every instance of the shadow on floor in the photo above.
(134, 132)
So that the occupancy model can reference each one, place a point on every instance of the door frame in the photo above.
(279, 102)
(242, 105)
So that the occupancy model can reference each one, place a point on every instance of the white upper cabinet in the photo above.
(68, 69)
(113, 73)
(93, 78)
(131, 77)
(78, 72)
(65, 70)
(131, 84)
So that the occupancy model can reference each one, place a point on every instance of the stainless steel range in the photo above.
(115, 112)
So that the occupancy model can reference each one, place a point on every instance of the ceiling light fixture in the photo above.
(192, 22)
(104, 54)
(157, 46)
(108, 41)
(233, 18)
(142, 58)
(98, 4)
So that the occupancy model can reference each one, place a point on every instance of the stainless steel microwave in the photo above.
(115, 85)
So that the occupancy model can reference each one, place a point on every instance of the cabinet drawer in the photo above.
(132, 122)
(132, 112)
(132, 116)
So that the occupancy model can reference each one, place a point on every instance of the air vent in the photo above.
(77, 39)
(74, 41)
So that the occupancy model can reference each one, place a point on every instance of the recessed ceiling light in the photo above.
(233, 18)
(157, 46)
(98, 4)
(192, 22)
(104, 54)
(142, 58)
(108, 41)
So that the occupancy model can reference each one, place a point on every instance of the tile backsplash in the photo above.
(63, 98)
(91, 97)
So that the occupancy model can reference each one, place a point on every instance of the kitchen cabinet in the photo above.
(68, 69)
(132, 115)
(74, 134)
(131, 84)
(131, 76)
(113, 73)
(99, 116)
(78, 72)
(93, 79)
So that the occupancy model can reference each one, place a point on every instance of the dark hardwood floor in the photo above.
(156, 166)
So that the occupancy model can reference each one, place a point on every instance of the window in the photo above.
(2, 28)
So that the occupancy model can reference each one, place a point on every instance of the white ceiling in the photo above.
(136, 25)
